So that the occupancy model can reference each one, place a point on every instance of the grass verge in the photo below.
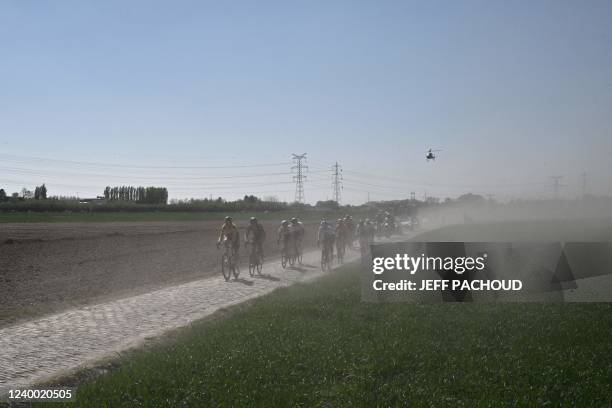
(319, 345)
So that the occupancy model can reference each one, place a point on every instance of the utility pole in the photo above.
(299, 177)
(413, 196)
(556, 185)
(337, 182)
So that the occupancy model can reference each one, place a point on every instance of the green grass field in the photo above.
(318, 345)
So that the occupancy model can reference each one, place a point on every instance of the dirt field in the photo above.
(46, 268)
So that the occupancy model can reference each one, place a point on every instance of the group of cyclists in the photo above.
(331, 237)
(290, 234)
(385, 224)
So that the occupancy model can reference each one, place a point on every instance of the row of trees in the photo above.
(40, 193)
(141, 195)
(247, 203)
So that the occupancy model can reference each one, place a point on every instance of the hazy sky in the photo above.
(513, 92)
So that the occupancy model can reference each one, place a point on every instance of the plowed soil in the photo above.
(46, 268)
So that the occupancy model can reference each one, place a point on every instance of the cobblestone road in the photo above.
(39, 349)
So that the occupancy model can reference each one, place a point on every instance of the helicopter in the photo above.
(430, 155)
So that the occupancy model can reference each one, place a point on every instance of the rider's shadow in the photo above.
(243, 281)
(299, 269)
(267, 277)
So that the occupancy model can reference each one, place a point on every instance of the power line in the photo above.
(337, 182)
(300, 177)
(133, 166)
(430, 184)
(157, 176)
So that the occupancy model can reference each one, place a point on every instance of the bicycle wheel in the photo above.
(324, 260)
(252, 263)
(225, 267)
(259, 267)
(292, 260)
(235, 269)
(329, 258)
(283, 259)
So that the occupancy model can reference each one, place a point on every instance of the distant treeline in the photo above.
(141, 195)
(152, 199)
(40, 193)
(249, 203)
(57, 204)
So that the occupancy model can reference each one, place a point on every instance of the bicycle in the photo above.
(288, 252)
(340, 248)
(255, 259)
(327, 256)
(229, 263)
(298, 250)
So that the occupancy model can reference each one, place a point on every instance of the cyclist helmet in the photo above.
(284, 223)
(253, 220)
(323, 222)
(228, 219)
(294, 220)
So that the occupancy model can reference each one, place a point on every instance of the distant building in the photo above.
(97, 200)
